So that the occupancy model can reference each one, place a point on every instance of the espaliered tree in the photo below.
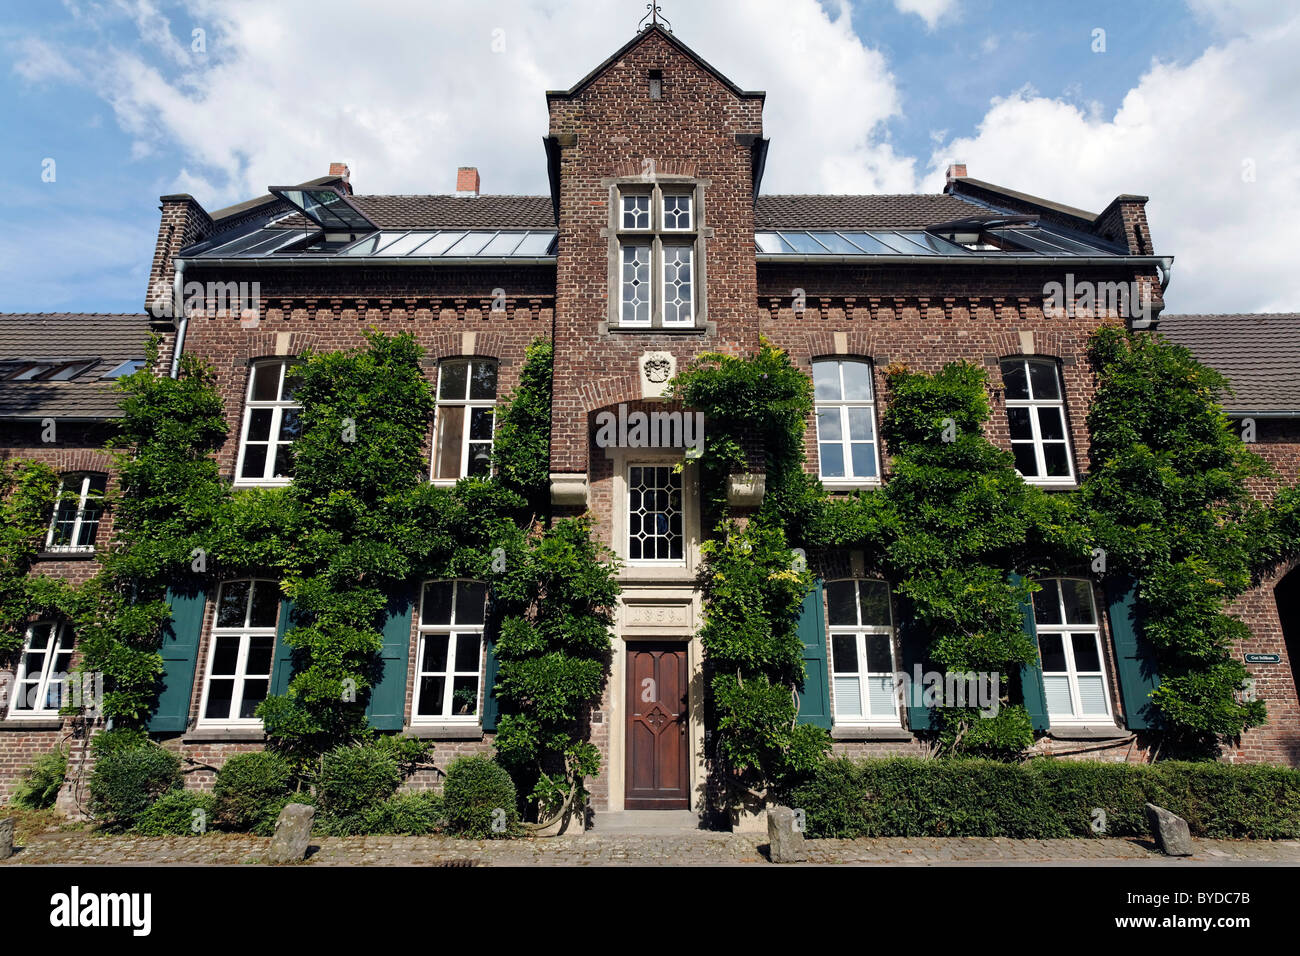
(1169, 502)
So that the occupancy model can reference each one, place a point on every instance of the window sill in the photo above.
(1088, 732)
(65, 555)
(224, 734)
(244, 483)
(833, 485)
(444, 731)
(866, 732)
(32, 723)
(708, 328)
(1054, 485)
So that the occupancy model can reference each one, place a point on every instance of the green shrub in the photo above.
(177, 813)
(480, 799)
(406, 814)
(39, 786)
(352, 780)
(250, 792)
(122, 738)
(1044, 798)
(126, 780)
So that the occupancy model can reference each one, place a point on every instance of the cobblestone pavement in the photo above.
(666, 849)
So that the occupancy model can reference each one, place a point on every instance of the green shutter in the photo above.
(1134, 657)
(491, 706)
(387, 707)
(913, 643)
(814, 700)
(282, 669)
(180, 650)
(1031, 675)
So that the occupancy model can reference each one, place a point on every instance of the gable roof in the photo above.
(434, 212)
(859, 212)
(106, 339)
(1258, 352)
(652, 29)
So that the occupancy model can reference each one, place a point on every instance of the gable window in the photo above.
(450, 653)
(270, 426)
(862, 652)
(656, 233)
(846, 421)
(241, 652)
(42, 670)
(654, 513)
(1036, 418)
(467, 394)
(78, 508)
(1069, 641)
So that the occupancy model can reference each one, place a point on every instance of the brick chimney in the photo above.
(341, 170)
(956, 171)
(467, 181)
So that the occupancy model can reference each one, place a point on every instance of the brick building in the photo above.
(654, 245)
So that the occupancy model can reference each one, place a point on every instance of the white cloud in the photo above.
(1187, 135)
(931, 11)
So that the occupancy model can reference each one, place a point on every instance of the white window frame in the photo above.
(244, 633)
(845, 441)
(657, 236)
(863, 676)
(1037, 440)
(84, 479)
(451, 633)
(467, 403)
(278, 407)
(627, 523)
(18, 695)
(1071, 672)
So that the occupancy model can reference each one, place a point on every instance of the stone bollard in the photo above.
(1173, 836)
(784, 837)
(7, 838)
(292, 834)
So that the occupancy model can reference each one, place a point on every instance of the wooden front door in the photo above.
(657, 728)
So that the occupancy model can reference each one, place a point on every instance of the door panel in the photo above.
(657, 728)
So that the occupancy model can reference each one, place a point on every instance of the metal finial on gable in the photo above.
(656, 18)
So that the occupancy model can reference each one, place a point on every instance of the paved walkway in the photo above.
(697, 848)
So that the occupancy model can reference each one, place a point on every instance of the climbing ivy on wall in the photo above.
(1169, 502)
(26, 490)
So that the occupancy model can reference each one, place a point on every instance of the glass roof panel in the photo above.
(503, 245)
(440, 243)
(935, 244)
(535, 244)
(770, 242)
(470, 244)
(836, 243)
(803, 242)
(869, 244)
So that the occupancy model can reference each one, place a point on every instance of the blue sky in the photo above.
(1192, 102)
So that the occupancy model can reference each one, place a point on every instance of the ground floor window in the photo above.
(42, 670)
(450, 654)
(862, 652)
(1069, 641)
(654, 511)
(241, 653)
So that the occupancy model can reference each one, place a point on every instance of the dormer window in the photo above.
(657, 234)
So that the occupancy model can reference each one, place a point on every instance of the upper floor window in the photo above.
(270, 426)
(42, 670)
(654, 513)
(241, 652)
(846, 421)
(77, 511)
(862, 652)
(1036, 417)
(657, 229)
(450, 651)
(467, 394)
(1069, 640)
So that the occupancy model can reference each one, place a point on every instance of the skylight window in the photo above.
(129, 367)
(44, 370)
(328, 208)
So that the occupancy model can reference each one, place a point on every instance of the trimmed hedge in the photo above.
(173, 814)
(1044, 798)
(480, 799)
(250, 792)
(127, 779)
(352, 781)
(406, 814)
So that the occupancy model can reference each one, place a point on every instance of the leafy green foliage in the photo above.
(480, 799)
(353, 779)
(126, 781)
(39, 785)
(250, 790)
(1169, 502)
(27, 490)
(406, 814)
(521, 444)
(177, 813)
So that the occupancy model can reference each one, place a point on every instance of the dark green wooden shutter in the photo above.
(1031, 675)
(491, 706)
(913, 644)
(815, 700)
(180, 649)
(282, 669)
(1134, 656)
(387, 707)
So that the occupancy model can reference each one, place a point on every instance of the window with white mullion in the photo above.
(240, 653)
(1036, 420)
(1069, 644)
(43, 667)
(77, 512)
(450, 654)
(863, 666)
(845, 421)
(270, 426)
(656, 243)
(464, 419)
